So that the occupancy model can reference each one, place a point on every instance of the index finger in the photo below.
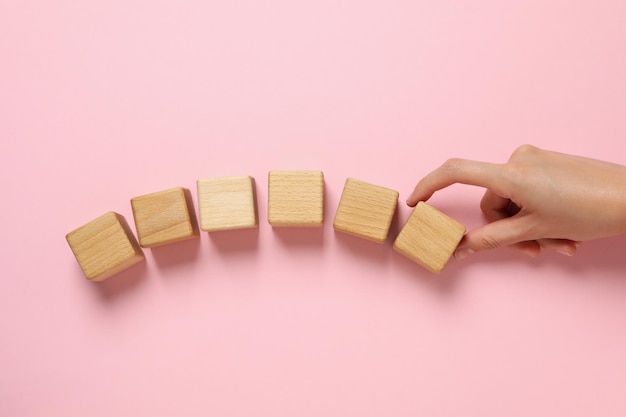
(461, 171)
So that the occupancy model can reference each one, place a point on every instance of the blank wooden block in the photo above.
(104, 246)
(227, 203)
(296, 199)
(429, 237)
(164, 217)
(366, 210)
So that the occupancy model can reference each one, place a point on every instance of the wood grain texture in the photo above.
(227, 203)
(429, 237)
(164, 217)
(295, 198)
(366, 210)
(104, 247)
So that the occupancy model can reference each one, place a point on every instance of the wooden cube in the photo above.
(227, 203)
(104, 246)
(164, 217)
(429, 237)
(296, 198)
(366, 210)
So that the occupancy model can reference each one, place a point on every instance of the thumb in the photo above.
(504, 232)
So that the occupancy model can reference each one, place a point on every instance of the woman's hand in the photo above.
(539, 199)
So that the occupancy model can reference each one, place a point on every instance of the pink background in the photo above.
(101, 101)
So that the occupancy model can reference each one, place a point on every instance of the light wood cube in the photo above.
(429, 237)
(296, 198)
(164, 217)
(104, 247)
(227, 203)
(366, 210)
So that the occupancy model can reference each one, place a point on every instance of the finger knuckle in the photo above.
(489, 242)
(452, 165)
(524, 150)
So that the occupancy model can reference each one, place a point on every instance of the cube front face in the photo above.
(163, 217)
(104, 247)
(366, 210)
(227, 203)
(429, 237)
(296, 198)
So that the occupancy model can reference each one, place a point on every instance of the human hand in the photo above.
(538, 199)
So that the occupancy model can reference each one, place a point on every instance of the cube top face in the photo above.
(296, 198)
(429, 237)
(104, 246)
(227, 203)
(366, 210)
(163, 217)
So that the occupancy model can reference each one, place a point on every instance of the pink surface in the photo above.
(103, 101)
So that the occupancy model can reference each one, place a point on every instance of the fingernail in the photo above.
(462, 253)
(565, 252)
